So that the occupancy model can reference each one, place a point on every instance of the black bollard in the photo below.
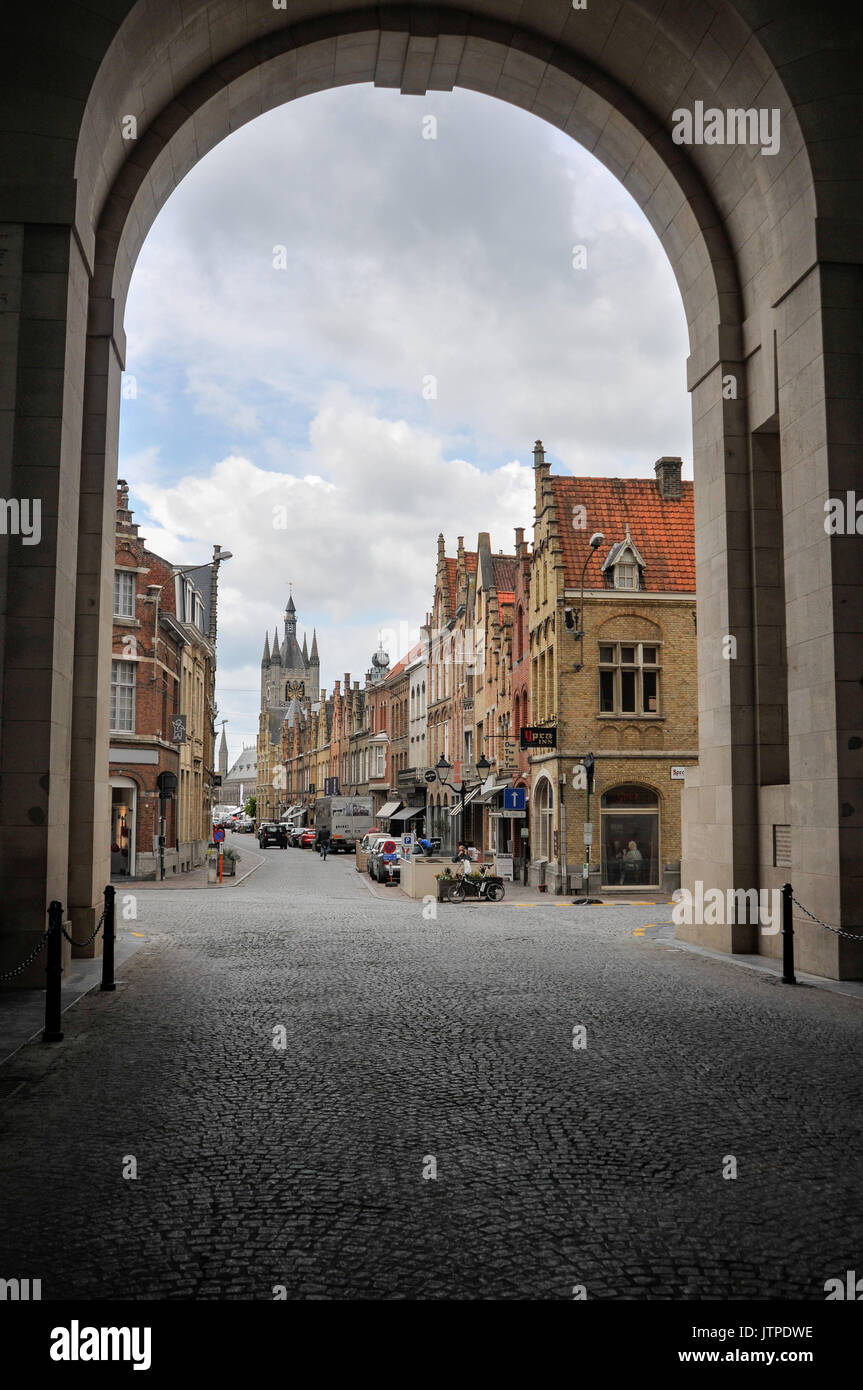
(788, 977)
(108, 939)
(52, 1031)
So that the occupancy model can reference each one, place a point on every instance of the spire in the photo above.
(276, 655)
(305, 651)
(314, 659)
(290, 618)
(223, 754)
(265, 659)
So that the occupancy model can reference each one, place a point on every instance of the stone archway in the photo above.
(767, 260)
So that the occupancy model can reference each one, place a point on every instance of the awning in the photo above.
(494, 791)
(408, 813)
(387, 812)
(454, 810)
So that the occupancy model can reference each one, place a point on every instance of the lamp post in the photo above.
(444, 772)
(596, 540)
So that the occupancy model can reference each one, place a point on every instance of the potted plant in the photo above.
(230, 857)
(445, 883)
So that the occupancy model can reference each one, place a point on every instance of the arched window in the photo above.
(543, 819)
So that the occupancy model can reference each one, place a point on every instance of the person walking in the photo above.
(323, 842)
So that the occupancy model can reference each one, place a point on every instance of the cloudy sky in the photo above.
(345, 338)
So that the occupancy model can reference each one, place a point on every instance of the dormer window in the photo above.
(624, 566)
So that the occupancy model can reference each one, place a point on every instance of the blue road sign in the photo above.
(515, 799)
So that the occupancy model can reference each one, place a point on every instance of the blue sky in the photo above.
(289, 308)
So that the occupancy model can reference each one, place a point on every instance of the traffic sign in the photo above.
(218, 835)
(514, 798)
(430, 775)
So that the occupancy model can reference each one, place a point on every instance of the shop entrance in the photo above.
(123, 806)
(630, 837)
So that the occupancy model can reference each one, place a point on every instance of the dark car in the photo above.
(271, 834)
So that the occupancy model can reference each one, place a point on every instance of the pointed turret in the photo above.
(265, 659)
(223, 756)
(275, 657)
(314, 659)
(305, 651)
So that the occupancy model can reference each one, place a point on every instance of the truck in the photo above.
(346, 817)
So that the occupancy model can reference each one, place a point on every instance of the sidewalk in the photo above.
(522, 895)
(22, 1011)
(194, 878)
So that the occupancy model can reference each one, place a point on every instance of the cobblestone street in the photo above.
(411, 1040)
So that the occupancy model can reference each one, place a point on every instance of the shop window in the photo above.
(630, 837)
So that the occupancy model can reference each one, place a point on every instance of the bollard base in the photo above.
(107, 987)
(51, 1037)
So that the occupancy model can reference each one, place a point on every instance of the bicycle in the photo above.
(484, 886)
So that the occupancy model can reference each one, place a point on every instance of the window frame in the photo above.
(117, 664)
(121, 571)
(637, 668)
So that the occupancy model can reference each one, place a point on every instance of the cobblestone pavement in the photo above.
(411, 1040)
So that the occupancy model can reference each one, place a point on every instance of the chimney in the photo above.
(667, 470)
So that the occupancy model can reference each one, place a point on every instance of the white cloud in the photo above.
(360, 540)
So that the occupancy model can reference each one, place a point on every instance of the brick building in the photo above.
(613, 675)
(161, 707)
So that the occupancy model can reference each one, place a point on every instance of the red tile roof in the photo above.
(504, 600)
(662, 530)
(503, 568)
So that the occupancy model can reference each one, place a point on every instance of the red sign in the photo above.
(218, 835)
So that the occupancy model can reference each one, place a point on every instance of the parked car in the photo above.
(384, 852)
(368, 839)
(271, 834)
(244, 825)
(307, 836)
(294, 833)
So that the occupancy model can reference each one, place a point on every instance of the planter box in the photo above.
(444, 889)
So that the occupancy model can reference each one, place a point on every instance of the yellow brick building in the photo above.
(613, 677)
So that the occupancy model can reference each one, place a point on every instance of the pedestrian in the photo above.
(323, 842)
(462, 857)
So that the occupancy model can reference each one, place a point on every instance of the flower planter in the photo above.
(444, 889)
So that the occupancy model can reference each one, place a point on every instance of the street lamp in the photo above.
(444, 771)
(596, 540)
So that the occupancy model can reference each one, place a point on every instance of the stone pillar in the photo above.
(89, 830)
(821, 424)
(43, 308)
(720, 802)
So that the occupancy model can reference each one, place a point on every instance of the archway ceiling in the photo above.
(610, 76)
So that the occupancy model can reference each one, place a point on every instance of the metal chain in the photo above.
(92, 935)
(10, 974)
(837, 931)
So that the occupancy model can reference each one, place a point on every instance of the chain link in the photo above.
(91, 937)
(837, 931)
(10, 974)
